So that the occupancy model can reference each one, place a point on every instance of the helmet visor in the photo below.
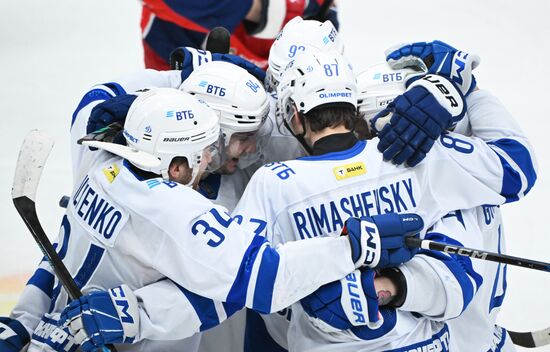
(213, 155)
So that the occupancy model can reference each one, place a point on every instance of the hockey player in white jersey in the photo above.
(296, 37)
(236, 96)
(476, 328)
(114, 233)
(301, 208)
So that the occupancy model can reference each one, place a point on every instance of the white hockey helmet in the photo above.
(378, 86)
(237, 96)
(169, 123)
(298, 36)
(315, 79)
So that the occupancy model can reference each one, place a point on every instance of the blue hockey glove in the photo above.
(103, 317)
(344, 304)
(13, 335)
(379, 241)
(187, 59)
(110, 111)
(437, 58)
(418, 117)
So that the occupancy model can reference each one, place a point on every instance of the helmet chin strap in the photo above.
(299, 137)
(194, 173)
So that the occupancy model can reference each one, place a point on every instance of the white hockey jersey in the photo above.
(120, 228)
(40, 282)
(224, 190)
(313, 196)
(421, 323)
(475, 328)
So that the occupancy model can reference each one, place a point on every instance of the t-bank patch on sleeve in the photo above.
(349, 170)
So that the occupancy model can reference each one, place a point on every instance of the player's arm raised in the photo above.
(495, 166)
(460, 172)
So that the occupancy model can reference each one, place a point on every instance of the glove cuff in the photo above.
(193, 58)
(447, 94)
(461, 71)
(365, 242)
(14, 333)
(126, 305)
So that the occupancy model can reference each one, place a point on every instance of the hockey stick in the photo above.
(104, 139)
(531, 339)
(218, 40)
(32, 157)
(321, 14)
(477, 254)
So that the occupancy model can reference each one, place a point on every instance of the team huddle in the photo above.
(288, 195)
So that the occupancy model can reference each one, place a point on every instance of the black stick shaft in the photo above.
(477, 254)
(27, 210)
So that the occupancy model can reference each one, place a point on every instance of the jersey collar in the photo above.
(336, 147)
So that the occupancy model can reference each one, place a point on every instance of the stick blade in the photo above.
(34, 152)
(531, 339)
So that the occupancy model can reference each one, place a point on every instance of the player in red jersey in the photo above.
(253, 24)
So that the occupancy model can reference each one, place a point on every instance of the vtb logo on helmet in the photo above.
(180, 115)
(244, 104)
(378, 86)
(148, 129)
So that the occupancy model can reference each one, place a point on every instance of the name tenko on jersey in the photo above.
(328, 217)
